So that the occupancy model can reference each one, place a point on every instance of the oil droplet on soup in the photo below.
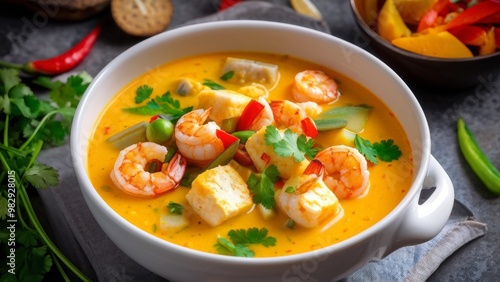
(389, 181)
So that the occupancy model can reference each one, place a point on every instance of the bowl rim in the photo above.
(90, 192)
(375, 36)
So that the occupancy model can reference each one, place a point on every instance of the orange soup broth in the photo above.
(390, 181)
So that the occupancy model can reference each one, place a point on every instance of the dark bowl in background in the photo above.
(424, 70)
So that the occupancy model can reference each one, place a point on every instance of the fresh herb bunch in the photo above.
(29, 124)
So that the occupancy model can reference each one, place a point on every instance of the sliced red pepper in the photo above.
(492, 19)
(265, 157)
(474, 14)
(248, 115)
(309, 127)
(153, 118)
(470, 35)
(279, 184)
(430, 18)
(242, 157)
(226, 138)
(224, 4)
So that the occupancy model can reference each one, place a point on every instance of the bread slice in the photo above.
(142, 17)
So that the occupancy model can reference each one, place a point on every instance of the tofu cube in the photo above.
(219, 194)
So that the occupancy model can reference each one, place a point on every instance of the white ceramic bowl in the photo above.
(409, 223)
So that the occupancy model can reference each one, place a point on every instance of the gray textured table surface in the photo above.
(24, 36)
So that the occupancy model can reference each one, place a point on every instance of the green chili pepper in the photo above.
(477, 159)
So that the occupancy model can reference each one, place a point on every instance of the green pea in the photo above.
(159, 131)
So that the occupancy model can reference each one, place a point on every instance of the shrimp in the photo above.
(130, 176)
(346, 171)
(288, 114)
(197, 140)
(316, 86)
(264, 118)
(311, 202)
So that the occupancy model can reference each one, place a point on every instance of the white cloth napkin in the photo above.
(79, 236)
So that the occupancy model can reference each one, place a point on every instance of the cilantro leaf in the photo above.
(252, 236)
(227, 76)
(366, 149)
(164, 105)
(262, 187)
(241, 238)
(70, 92)
(387, 151)
(290, 144)
(225, 247)
(306, 145)
(175, 208)
(9, 78)
(142, 93)
(212, 85)
(42, 176)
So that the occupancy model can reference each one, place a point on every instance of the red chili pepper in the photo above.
(470, 35)
(226, 138)
(224, 4)
(63, 62)
(474, 14)
(309, 127)
(248, 115)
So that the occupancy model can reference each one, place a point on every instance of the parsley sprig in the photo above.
(262, 186)
(240, 239)
(290, 144)
(385, 150)
(28, 124)
(165, 104)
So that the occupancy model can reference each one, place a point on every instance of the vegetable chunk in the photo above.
(441, 45)
(246, 71)
(219, 194)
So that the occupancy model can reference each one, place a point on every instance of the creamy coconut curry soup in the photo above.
(249, 154)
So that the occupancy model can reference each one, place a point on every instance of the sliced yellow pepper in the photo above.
(441, 45)
(390, 23)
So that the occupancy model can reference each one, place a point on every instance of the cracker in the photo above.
(142, 17)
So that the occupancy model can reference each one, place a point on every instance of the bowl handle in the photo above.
(424, 221)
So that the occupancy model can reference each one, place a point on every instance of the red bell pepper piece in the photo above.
(226, 138)
(309, 127)
(224, 4)
(265, 157)
(248, 115)
(492, 19)
(469, 35)
(429, 19)
(474, 14)
(242, 157)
